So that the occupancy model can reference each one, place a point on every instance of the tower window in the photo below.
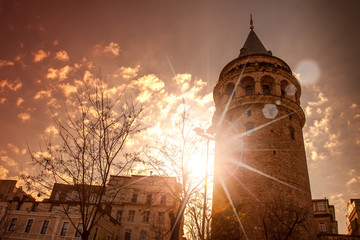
(292, 133)
(266, 89)
(248, 90)
(229, 88)
(249, 113)
(249, 129)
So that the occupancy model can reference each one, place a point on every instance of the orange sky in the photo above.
(140, 46)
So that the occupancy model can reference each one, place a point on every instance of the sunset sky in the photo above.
(160, 51)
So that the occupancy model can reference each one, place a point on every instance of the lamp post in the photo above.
(208, 137)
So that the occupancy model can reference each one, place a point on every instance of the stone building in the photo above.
(46, 220)
(352, 217)
(9, 191)
(261, 182)
(144, 205)
(325, 217)
(135, 207)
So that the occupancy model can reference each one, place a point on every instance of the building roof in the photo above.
(253, 45)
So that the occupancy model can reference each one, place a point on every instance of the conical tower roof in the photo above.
(253, 45)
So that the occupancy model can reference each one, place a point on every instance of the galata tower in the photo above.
(261, 181)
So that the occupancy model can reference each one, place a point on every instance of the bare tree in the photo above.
(88, 148)
(175, 157)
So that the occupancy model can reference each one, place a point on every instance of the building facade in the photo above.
(136, 207)
(144, 205)
(261, 182)
(352, 217)
(325, 217)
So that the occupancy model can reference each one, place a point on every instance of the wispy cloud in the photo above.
(4, 63)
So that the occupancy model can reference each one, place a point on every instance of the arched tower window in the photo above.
(266, 89)
(229, 89)
(249, 90)
(267, 82)
(248, 84)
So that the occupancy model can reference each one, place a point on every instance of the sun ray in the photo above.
(233, 207)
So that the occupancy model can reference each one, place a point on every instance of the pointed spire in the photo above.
(251, 23)
(253, 44)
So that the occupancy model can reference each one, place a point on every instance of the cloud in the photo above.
(13, 148)
(62, 56)
(148, 85)
(128, 72)
(51, 130)
(112, 48)
(24, 116)
(68, 89)
(8, 161)
(60, 74)
(13, 86)
(19, 101)
(4, 63)
(3, 172)
(40, 55)
(41, 94)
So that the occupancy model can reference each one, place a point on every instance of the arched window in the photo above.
(229, 89)
(266, 89)
(267, 82)
(249, 129)
(292, 133)
(247, 83)
(248, 90)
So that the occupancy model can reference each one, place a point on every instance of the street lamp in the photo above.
(208, 137)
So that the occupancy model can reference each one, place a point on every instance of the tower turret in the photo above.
(261, 182)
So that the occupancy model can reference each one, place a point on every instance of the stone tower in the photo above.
(261, 182)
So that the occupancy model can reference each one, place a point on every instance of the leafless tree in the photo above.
(173, 159)
(89, 146)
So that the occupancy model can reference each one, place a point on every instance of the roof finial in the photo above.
(251, 23)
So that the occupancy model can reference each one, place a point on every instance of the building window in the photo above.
(79, 230)
(148, 199)
(143, 235)
(163, 200)
(161, 217)
(322, 227)
(64, 229)
(127, 234)
(34, 207)
(322, 206)
(18, 206)
(249, 129)
(146, 216)
(266, 89)
(131, 216)
(44, 227)
(134, 198)
(249, 113)
(29, 225)
(292, 133)
(12, 225)
(119, 216)
(248, 90)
